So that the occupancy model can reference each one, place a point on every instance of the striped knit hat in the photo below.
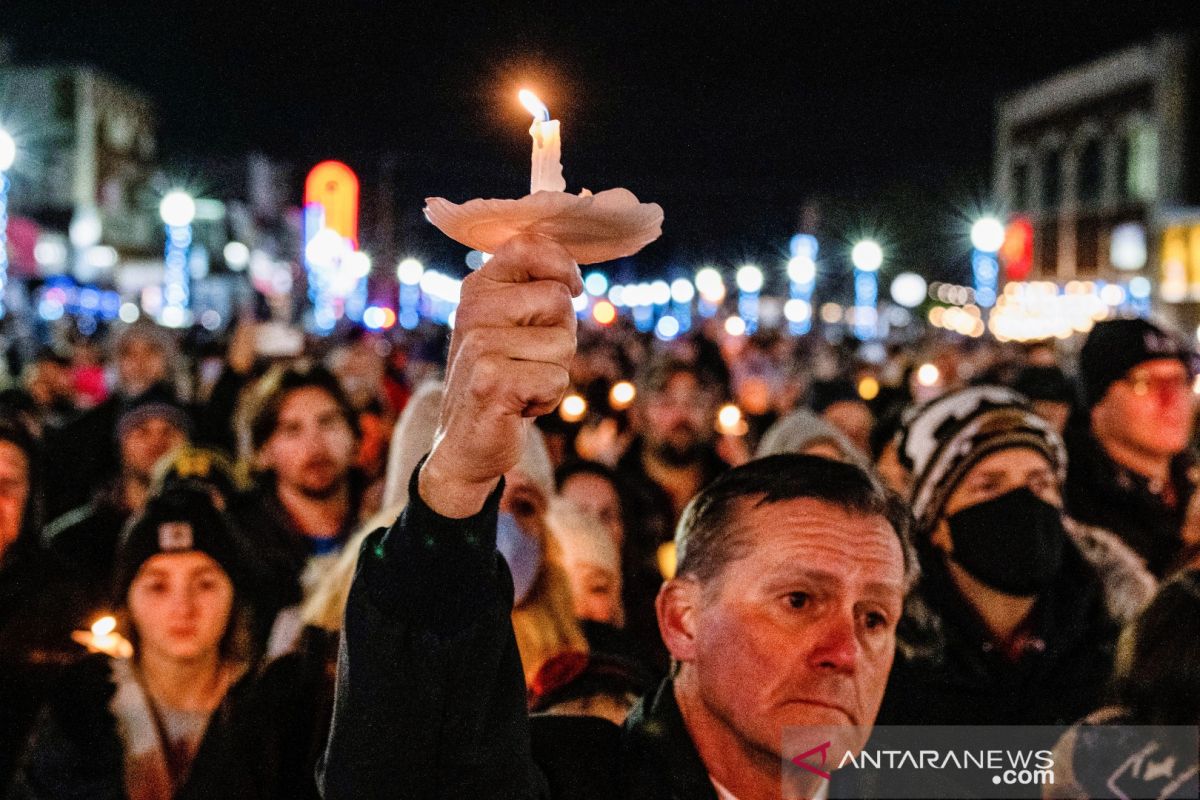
(942, 440)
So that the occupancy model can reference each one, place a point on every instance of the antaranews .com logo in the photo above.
(1119, 761)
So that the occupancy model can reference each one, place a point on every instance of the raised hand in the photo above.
(513, 341)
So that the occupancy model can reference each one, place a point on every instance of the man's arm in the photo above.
(431, 695)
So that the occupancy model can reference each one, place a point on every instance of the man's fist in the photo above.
(514, 338)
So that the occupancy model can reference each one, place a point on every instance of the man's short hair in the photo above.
(278, 383)
(704, 540)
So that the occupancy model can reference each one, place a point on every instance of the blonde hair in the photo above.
(545, 623)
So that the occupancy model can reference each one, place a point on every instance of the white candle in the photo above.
(103, 638)
(546, 173)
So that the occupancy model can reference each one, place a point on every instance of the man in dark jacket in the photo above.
(305, 434)
(1131, 470)
(791, 580)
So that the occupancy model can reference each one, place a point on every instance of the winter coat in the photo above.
(98, 710)
(1099, 492)
(37, 615)
(430, 695)
(950, 671)
(280, 548)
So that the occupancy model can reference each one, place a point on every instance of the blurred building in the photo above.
(1099, 168)
(87, 147)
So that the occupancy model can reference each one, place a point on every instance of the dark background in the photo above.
(732, 115)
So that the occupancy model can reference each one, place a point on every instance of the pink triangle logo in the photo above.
(823, 749)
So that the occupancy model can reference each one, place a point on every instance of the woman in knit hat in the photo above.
(175, 720)
(1017, 611)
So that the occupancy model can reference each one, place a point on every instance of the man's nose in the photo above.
(836, 646)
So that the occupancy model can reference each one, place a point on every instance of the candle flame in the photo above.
(533, 105)
(104, 626)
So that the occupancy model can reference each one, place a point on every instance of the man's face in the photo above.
(801, 629)
(140, 365)
(313, 446)
(1149, 411)
(678, 419)
(148, 441)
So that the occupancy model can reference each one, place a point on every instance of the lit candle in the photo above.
(103, 638)
(730, 422)
(546, 174)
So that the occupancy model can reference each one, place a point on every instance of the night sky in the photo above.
(730, 115)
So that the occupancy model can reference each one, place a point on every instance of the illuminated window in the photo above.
(1143, 162)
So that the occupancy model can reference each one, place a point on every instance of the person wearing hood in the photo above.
(804, 432)
(1017, 612)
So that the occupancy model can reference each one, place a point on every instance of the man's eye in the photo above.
(875, 621)
(798, 599)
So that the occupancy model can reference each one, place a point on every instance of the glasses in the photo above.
(1143, 383)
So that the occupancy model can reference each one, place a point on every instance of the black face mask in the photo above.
(1013, 543)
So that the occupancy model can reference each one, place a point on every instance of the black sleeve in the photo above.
(430, 698)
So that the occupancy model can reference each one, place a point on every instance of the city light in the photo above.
(987, 235)
(682, 290)
(867, 255)
(735, 326)
(928, 375)
(573, 408)
(908, 289)
(801, 269)
(177, 209)
(710, 285)
(797, 310)
(596, 284)
(8, 150)
(749, 279)
(667, 328)
(409, 272)
(604, 312)
(237, 256)
(621, 395)
(868, 388)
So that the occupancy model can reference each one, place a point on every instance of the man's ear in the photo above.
(678, 608)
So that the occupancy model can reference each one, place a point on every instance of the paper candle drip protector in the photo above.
(593, 228)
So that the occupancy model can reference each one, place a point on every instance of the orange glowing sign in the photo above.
(1017, 252)
(335, 187)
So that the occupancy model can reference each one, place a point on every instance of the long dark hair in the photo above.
(1157, 673)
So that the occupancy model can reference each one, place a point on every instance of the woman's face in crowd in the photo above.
(180, 604)
(595, 496)
(596, 593)
(998, 474)
(14, 492)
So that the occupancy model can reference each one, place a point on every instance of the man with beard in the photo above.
(670, 461)
(306, 501)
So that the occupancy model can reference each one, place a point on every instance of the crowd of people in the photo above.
(205, 551)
